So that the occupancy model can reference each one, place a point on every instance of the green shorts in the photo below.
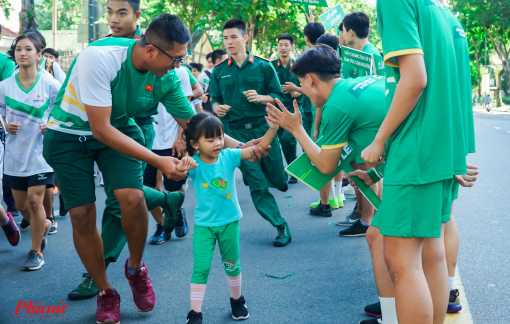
(455, 190)
(204, 242)
(72, 158)
(415, 211)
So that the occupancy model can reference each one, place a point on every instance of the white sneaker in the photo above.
(100, 178)
(348, 190)
(342, 194)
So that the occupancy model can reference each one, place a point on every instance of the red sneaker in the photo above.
(108, 307)
(11, 230)
(141, 286)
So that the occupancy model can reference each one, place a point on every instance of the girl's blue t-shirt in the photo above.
(215, 190)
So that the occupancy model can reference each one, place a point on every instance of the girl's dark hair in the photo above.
(34, 39)
(202, 124)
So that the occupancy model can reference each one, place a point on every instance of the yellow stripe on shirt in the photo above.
(71, 101)
(332, 147)
(390, 55)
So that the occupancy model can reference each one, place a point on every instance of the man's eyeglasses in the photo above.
(176, 60)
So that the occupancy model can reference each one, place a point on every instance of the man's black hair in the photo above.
(320, 60)
(287, 37)
(135, 4)
(50, 51)
(341, 27)
(329, 40)
(217, 55)
(359, 22)
(197, 66)
(164, 31)
(236, 23)
(313, 31)
(209, 56)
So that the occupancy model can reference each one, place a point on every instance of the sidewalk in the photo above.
(503, 109)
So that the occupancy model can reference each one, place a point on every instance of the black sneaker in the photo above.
(357, 229)
(321, 210)
(194, 317)
(373, 310)
(53, 227)
(13, 210)
(239, 309)
(158, 237)
(351, 219)
(62, 211)
(181, 225)
(372, 321)
(284, 188)
(24, 223)
(292, 180)
(34, 261)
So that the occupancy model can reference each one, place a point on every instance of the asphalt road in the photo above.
(332, 279)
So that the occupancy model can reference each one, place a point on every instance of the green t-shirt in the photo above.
(354, 113)
(307, 104)
(103, 76)
(284, 75)
(6, 67)
(464, 79)
(429, 145)
(349, 71)
(229, 81)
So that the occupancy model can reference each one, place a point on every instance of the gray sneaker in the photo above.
(351, 219)
(53, 227)
(34, 261)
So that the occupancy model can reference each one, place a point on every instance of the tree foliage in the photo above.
(68, 11)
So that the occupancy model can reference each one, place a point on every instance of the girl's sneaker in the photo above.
(11, 230)
(454, 302)
(194, 317)
(158, 237)
(239, 309)
(34, 261)
(340, 201)
(181, 226)
(333, 202)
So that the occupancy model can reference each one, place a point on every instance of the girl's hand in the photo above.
(43, 128)
(12, 128)
(363, 175)
(373, 154)
(187, 163)
(272, 125)
(290, 122)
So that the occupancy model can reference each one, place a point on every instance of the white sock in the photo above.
(338, 188)
(332, 190)
(388, 310)
(452, 281)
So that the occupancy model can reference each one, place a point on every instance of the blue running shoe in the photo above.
(454, 302)
(181, 226)
(158, 237)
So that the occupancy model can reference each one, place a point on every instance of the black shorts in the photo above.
(23, 183)
(150, 175)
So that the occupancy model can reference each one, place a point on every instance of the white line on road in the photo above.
(464, 316)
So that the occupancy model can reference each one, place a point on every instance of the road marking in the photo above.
(508, 132)
(464, 316)
(497, 127)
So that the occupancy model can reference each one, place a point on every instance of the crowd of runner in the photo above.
(132, 114)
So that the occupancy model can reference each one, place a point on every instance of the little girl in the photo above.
(25, 99)
(217, 211)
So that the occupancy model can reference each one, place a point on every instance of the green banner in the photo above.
(358, 59)
(303, 169)
(331, 18)
(317, 3)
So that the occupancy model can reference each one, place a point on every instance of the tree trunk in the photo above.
(251, 32)
(500, 50)
(27, 16)
(477, 57)
(497, 97)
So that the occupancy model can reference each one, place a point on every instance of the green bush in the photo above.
(506, 100)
